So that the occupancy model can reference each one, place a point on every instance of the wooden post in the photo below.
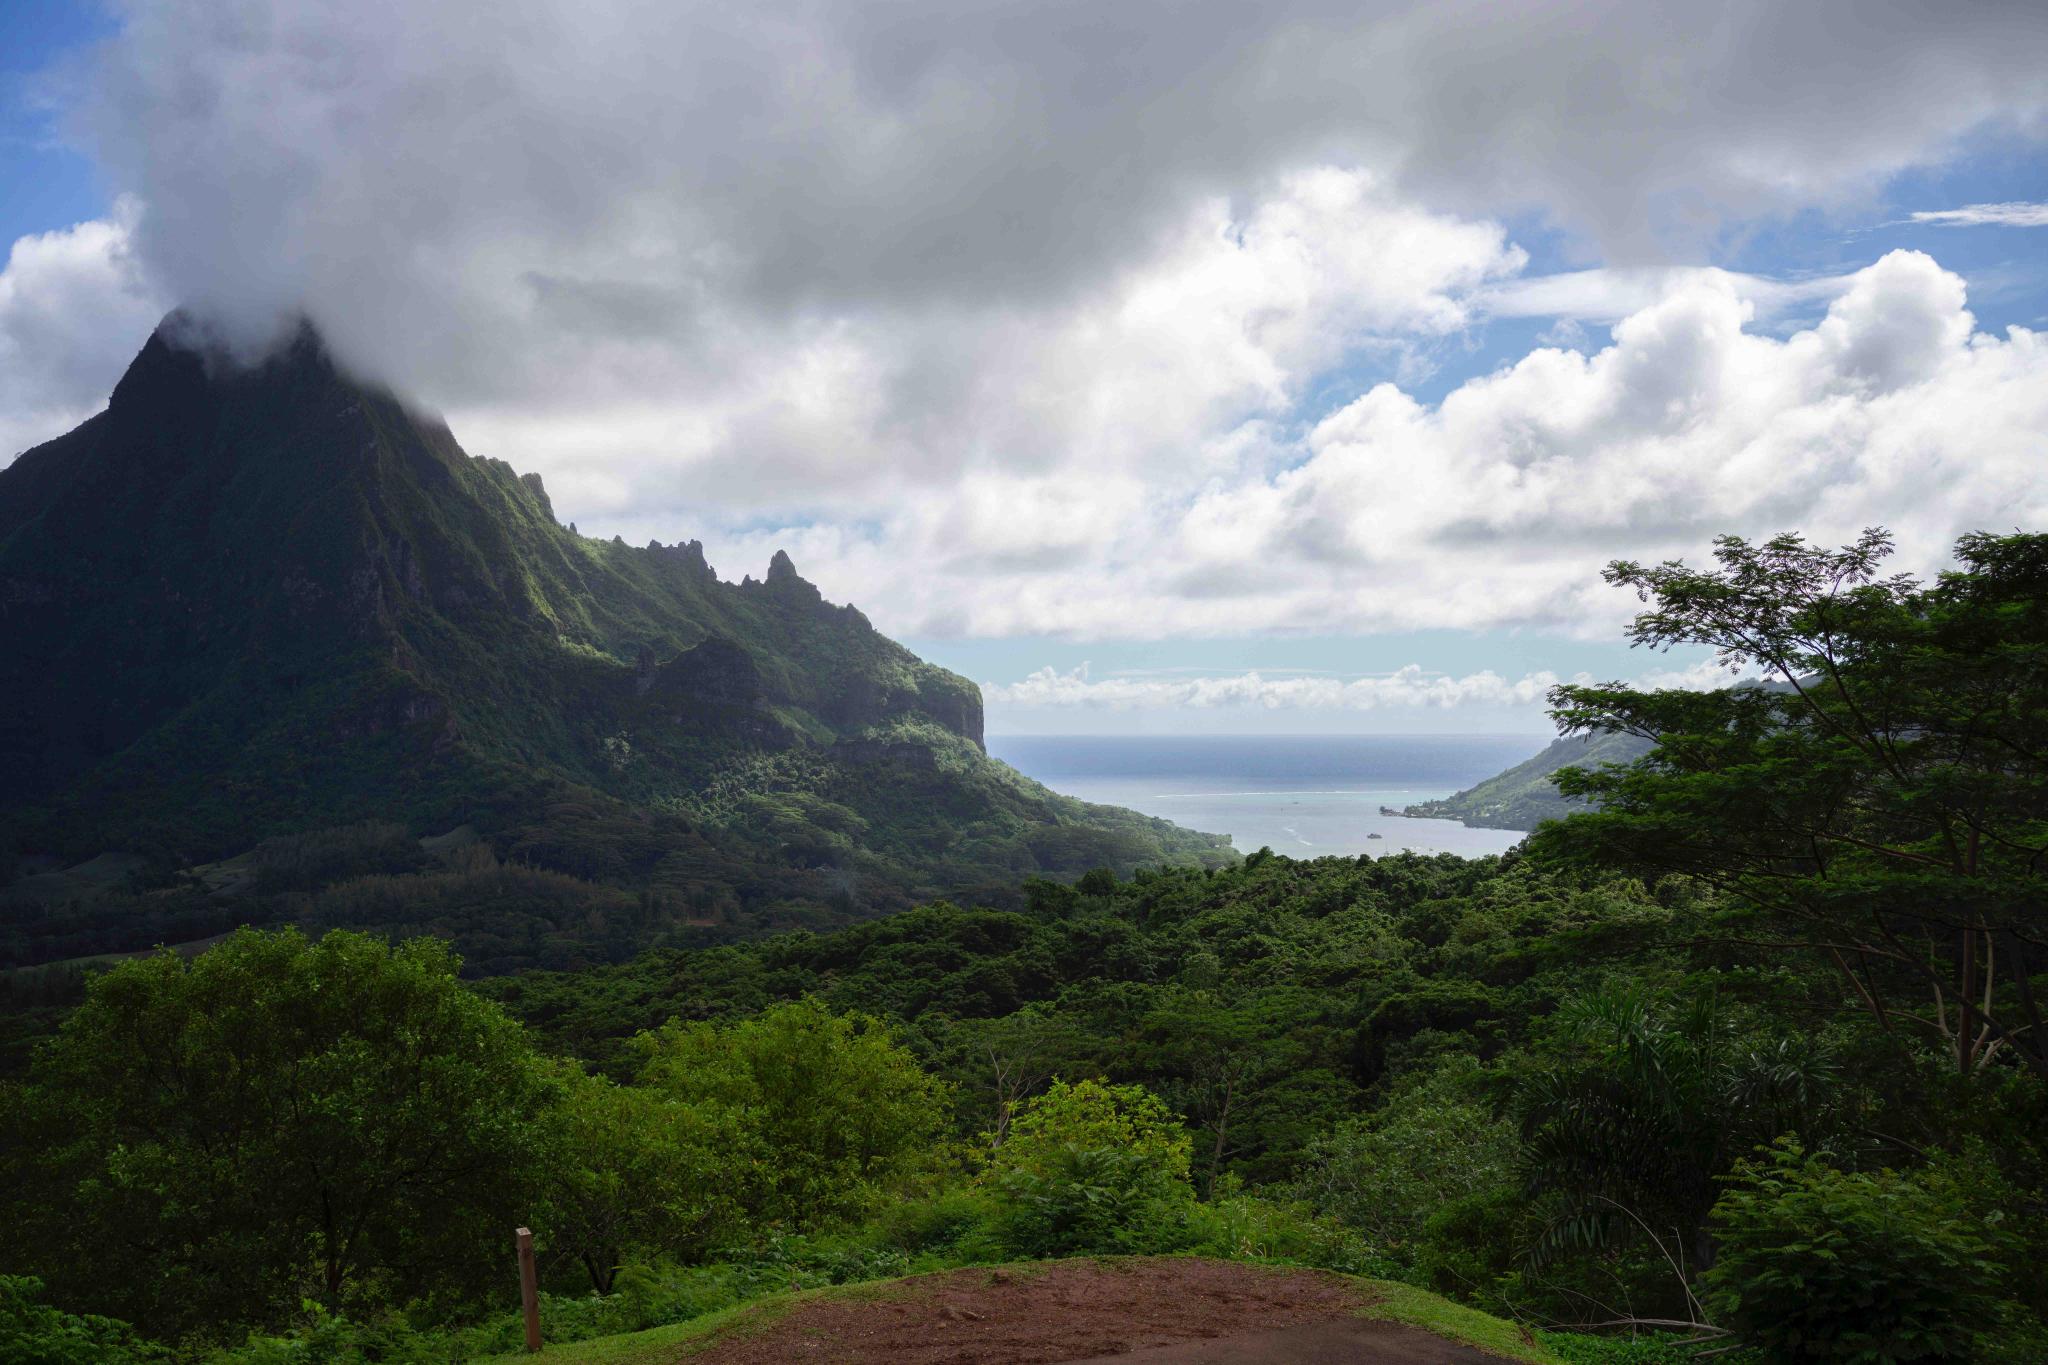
(529, 1287)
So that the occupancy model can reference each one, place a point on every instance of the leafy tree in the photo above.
(630, 1168)
(1011, 1057)
(276, 1117)
(1883, 804)
(1091, 1167)
(1820, 1264)
(1099, 881)
(827, 1110)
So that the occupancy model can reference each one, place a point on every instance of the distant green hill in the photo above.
(1524, 797)
(241, 604)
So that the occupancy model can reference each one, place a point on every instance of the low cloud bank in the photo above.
(1408, 687)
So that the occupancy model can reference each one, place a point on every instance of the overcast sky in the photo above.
(1190, 366)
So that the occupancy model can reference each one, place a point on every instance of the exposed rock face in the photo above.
(685, 556)
(784, 584)
(959, 710)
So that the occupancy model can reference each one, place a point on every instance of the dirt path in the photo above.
(1157, 1312)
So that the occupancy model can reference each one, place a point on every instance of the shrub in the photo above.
(329, 1339)
(947, 1221)
(1241, 1227)
(1576, 1348)
(1467, 1246)
(1818, 1264)
(1090, 1167)
(34, 1333)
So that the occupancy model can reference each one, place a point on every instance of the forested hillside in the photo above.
(1526, 795)
(269, 628)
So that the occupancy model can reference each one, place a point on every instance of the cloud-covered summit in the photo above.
(1107, 321)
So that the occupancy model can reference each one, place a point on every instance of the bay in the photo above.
(1308, 796)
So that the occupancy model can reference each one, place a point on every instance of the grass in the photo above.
(1387, 1301)
(1404, 1303)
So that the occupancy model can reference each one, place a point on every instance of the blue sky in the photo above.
(48, 182)
(1079, 408)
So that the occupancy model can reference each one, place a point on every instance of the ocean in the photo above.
(1307, 796)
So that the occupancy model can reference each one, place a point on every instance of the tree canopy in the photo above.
(1882, 801)
(222, 1135)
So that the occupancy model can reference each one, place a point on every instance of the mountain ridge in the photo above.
(253, 600)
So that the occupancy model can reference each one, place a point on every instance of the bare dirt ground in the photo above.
(1158, 1312)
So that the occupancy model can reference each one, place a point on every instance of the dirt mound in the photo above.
(1154, 1312)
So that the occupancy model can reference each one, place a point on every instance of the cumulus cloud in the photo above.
(1158, 370)
(1982, 215)
(1497, 505)
(1407, 687)
(74, 306)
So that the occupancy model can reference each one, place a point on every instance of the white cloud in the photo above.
(483, 199)
(1982, 215)
(1411, 687)
(1497, 506)
(1407, 687)
(74, 308)
(1168, 371)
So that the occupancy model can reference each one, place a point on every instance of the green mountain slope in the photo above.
(242, 603)
(1524, 797)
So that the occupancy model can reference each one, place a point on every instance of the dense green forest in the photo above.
(1746, 1058)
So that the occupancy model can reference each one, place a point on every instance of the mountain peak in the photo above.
(186, 352)
(258, 597)
(233, 546)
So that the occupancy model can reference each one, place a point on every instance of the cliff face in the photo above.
(241, 600)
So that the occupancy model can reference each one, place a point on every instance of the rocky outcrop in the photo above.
(540, 493)
(786, 585)
(686, 556)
